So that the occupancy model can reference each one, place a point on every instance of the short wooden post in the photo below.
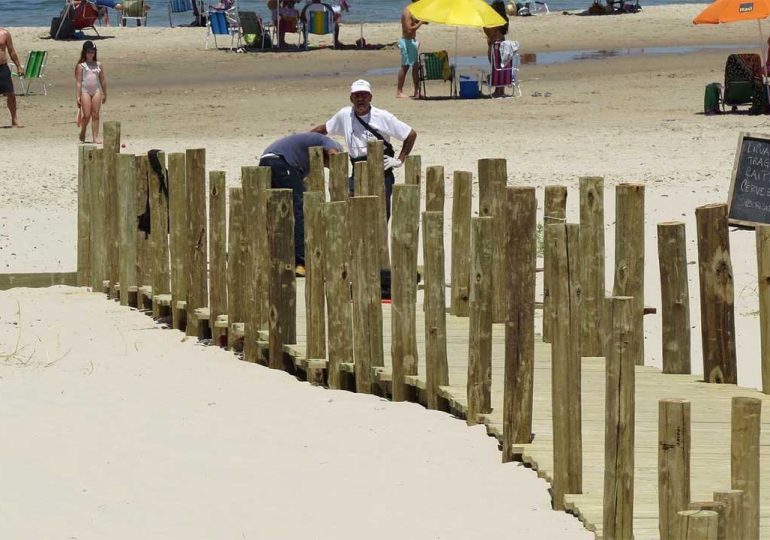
(314, 280)
(521, 255)
(361, 185)
(365, 273)
(261, 247)
(177, 192)
(235, 261)
(217, 245)
(413, 170)
(339, 188)
(592, 263)
(763, 286)
(159, 244)
(315, 179)
(716, 295)
(744, 459)
(126, 184)
(337, 279)
(283, 285)
(404, 241)
(434, 189)
(254, 184)
(492, 179)
(84, 215)
(717, 507)
(565, 362)
(143, 261)
(461, 238)
(554, 212)
(731, 524)
(98, 250)
(197, 247)
(111, 149)
(673, 464)
(629, 257)
(674, 297)
(375, 173)
(618, 514)
(697, 525)
(479, 388)
(436, 367)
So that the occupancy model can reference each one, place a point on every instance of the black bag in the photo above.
(388, 151)
(62, 31)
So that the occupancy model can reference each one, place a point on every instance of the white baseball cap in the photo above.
(360, 86)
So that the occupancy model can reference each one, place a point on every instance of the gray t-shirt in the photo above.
(294, 148)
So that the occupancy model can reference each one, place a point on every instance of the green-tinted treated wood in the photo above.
(84, 215)
(178, 233)
(262, 249)
(197, 246)
(126, 174)
(744, 459)
(763, 286)
(492, 179)
(338, 176)
(697, 525)
(434, 189)
(413, 170)
(673, 464)
(479, 388)
(437, 371)
(143, 261)
(283, 287)
(254, 184)
(98, 250)
(674, 297)
(235, 262)
(731, 524)
(217, 245)
(461, 240)
(159, 241)
(592, 263)
(111, 149)
(554, 213)
(315, 179)
(375, 174)
(314, 280)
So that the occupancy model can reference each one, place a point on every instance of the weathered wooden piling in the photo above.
(697, 525)
(197, 247)
(283, 285)
(255, 184)
(674, 297)
(436, 367)
(84, 215)
(731, 524)
(261, 248)
(177, 192)
(98, 237)
(111, 149)
(673, 464)
(375, 174)
(141, 205)
(217, 246)
(461, 238)
(235, 262)
(763, 286)
(746, 416)
(413, 170)
(315, 179)
(338, 177)
(492, 179)
(159, 242)
(404, 241)
(479, 389)
(126, 184)
(592, 263)
(434, 189)
(554, 213)
(315, 311)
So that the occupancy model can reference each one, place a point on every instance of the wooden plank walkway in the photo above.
(710, 421)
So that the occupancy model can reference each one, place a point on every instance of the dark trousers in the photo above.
(390, 179)
(284, 176)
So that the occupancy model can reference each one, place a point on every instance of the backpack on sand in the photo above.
(712, 98)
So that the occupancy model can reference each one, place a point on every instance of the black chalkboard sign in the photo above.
(749, 197)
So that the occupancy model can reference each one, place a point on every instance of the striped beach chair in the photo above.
(435, 66)
(318, 21)
(182, 6)
(34, 70)
(504, 75)
(223, 23)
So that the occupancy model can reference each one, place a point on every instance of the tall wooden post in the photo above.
(338, 177)
(673, 464)
(492, 179)
(314, 280)
(159, 244)
(111, 150)
(436, 367)
(592, 263)
(143, 261)
(337, 280)
(716, 295)
(674, 297)
(261, 248)
(235, 263)
(254, 184)
(217, 245)
(315, 178)
(177, 192)
(565, 362)
(375, 173)
(434, 189)
(126, 184)
(84, 215)
(461, 238)
(479, 388)
(629, 257)
(763, 286)
(521, 254)
(283, 285)
(404, 241)
(367, 309)
(618, 514)
(197, 247)
(554, 213)
(98, 249)
(744, 459)
(731, 524)
(413, 170)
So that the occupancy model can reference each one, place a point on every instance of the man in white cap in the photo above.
(361, 123)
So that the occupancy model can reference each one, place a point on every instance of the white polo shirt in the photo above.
(356, 136)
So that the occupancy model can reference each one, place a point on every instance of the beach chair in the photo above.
(183, 6)
(435, 66)
(533, 7)
(223, 23)
(743, 78)
(34, 70)
(133, 10)
(254, 33)
(80, 17)
(318, 21)
(504, 75)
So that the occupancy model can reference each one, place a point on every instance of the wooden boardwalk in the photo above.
(710, 425)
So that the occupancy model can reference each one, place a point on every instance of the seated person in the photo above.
(286, 20)
(337, 7)
(102, 6)
(497, 34)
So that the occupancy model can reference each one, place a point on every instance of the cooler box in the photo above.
(469, 87)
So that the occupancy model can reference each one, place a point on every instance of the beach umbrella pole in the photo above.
(454, 81)
(762, 58)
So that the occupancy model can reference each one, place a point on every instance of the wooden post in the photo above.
(126, 174)
(434, 189)
(314, 280)
(565, 362)
(629, 257)
(763, 281)
(98, 249)
(673, 464)
(177, 192)
(521, 255)
(744, 459)
(337, 278)
(461, 238)
(235, 263)
(436, 367)
(554, 212)
(592, 263)
(361, 186)
(365, 273)
(404, 241)
(261, 247)
(731, 524)
(159, 244)
(479, 388)
(254, 184)
(283, 285)
(217, 245)
(143, 261)
(315, 178)
(111, 149)
(339, 188)
(716, 295)
(674, 297)
(197, 283)
(375, 173)
(84, 215)
(492, 179)
(618, 514)
(697, 525)
(713, 506)
(413, 170)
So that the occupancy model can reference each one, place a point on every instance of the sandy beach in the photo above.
(129, 431)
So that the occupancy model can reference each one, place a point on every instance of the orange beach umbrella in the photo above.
(726, 11)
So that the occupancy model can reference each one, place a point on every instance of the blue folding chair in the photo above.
(223, 23)
(183, 6)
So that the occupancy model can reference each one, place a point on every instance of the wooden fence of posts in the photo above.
(592, 264)
(173, 269)
(554, 212)
(492, 180)
(461, 238)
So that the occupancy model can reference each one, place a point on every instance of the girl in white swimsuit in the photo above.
(90, 90)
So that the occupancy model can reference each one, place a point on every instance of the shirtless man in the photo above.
(408, 46)
(6, 84)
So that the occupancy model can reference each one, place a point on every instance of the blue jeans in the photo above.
(284, 176)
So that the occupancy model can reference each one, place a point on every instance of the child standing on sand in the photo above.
(90, 91)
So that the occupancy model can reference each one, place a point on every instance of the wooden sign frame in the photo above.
(731, 192)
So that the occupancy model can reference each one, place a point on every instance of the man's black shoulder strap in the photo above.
(388, 147)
